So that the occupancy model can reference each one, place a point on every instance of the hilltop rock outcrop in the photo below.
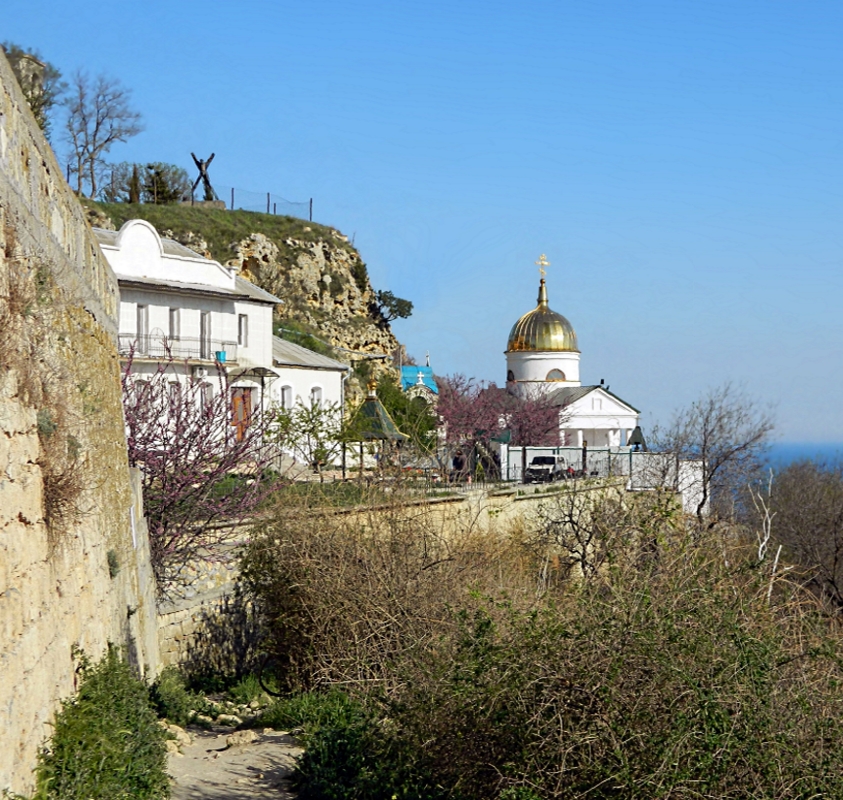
(324, 286)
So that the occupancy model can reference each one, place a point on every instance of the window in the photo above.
(207, 395)
(143, 329)
(205, 335)
(174, 391)
(510, 376)
(175, 324)
(287, 397)
(316, 396)
(243, 330)
(555, 375)
(596, 404)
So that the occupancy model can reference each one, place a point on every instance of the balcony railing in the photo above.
(163, 347)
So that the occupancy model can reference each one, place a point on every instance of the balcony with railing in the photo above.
(177, 347)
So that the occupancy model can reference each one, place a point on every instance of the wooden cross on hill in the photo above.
(202, 166)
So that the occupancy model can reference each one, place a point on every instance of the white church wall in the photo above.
(599, 419)
(534, 367)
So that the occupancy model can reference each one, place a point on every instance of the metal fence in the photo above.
(165, 347)
(577, 462)
(265, 202)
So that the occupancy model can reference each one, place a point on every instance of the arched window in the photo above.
(316, 396)
(555, 375)
(510, 376)
(287, 397)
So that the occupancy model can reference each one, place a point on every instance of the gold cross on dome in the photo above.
(543, 262)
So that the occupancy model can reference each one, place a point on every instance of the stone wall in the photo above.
(205, 626)
(74, 569)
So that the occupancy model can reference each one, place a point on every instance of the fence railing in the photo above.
(265, 202)
(165, 347)
(576, 462)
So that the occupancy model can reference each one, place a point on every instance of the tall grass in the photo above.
(220, 228)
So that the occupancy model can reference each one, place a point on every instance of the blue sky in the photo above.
(679, 162)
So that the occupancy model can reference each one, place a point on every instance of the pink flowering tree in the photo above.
(474, 412)
(200, 473)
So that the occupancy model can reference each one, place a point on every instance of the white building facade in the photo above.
(196, 316)
(306, 377)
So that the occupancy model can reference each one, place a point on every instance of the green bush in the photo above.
(248, 688)
(352, 755)
(310, 711)
(107, 742)
(173, 700)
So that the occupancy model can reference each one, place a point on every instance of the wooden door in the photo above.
(241, 410)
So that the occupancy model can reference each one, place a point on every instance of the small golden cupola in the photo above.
(542, 330)
(542, 353)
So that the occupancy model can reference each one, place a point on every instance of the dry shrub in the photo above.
(344, 595)
(676, 679)
(62, 469)
(672, 671)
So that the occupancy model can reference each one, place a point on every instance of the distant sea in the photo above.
(781, 454)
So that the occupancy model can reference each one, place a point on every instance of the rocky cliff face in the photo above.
(324, 286)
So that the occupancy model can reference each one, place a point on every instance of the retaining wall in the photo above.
(86, 581)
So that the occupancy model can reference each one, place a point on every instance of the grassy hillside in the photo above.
(219, 228)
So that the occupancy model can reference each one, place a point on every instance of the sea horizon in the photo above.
(780, 454)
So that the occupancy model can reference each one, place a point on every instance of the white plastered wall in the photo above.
(302, 381)
(599, 419)
(530, 370)
(139, 253)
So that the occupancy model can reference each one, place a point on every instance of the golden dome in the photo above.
(542, 330)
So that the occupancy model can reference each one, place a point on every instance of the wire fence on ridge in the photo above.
(265, 202)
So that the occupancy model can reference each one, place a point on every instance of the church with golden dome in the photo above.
(543, 358)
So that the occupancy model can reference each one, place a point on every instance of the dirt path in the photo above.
(210, 769)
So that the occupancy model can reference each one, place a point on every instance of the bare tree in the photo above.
(724, 432)
(807, 500)
(98, 116)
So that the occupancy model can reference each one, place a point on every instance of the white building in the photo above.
(543, 358)
(306, 377)
(182, 308)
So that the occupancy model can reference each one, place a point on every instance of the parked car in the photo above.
(543, 469)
